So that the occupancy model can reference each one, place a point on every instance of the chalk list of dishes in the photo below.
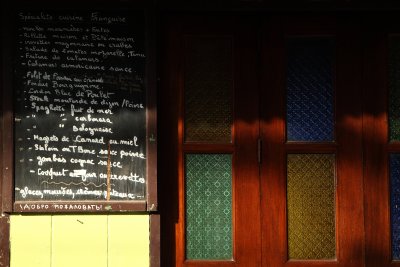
(80, 106)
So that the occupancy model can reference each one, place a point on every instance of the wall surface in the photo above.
(79, 240)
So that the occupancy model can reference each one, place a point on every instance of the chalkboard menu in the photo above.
(80, 106)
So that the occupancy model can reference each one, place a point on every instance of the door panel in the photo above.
(310, 174)
(213, 78)
(271, 109)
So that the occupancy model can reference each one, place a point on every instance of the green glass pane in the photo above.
(311, 206)
(394, 89)
(208, 89)
(208, 206)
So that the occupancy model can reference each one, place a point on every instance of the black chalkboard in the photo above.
(80, 106)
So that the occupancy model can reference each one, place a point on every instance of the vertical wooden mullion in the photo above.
(273, 179)
(375, 131)
(247, 181)
(350, 223)
(377, 206)
(170, 146)
(181, 233)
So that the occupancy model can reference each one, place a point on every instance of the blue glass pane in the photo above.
(395, 204)
(309, 82)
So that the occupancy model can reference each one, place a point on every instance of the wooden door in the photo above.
(311, 129)
(211, 180)
(231, 105)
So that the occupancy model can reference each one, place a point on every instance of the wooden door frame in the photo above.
(363, 204)
(246, 223)
(348, 145)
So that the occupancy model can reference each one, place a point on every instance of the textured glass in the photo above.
(311, 206)
(208, 89)
(395, 204)
(394, 89)
(309, 82)
(208, 206)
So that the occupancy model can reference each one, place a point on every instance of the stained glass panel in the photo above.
(311, 206)
(310, 96)
(208, 89)
(394, 89)
(208, 206)
(395, 204)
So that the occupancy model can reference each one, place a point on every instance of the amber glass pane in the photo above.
(208, 206)
(208, 89)
(394, 89)
(311, 206)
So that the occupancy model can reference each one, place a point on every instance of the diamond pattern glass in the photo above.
(208, 206)
(208, 89)
(311, 206)
(395, 204)
(394, 89)
(309, 82)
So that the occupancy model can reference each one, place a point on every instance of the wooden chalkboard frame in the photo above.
(8, 203)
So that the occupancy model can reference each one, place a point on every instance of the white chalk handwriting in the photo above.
(81, 92)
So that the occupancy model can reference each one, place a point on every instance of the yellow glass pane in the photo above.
(311, 206)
